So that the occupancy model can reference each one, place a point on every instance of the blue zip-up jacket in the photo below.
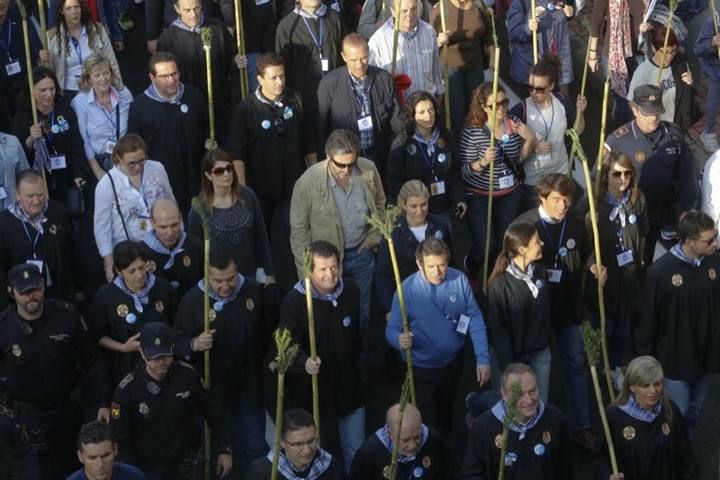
(706, 53)
(433, 312)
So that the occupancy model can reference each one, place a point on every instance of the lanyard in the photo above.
(552, 118)
(362, 96)
(550, 240)
(33, 242)
(76, 46)
(619, 219)
(116, 123)
(9, 41)
(429, 161)
(317, 41)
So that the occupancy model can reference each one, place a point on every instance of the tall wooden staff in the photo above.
(43, 23)
(396, 39)
(672, 5)
(592, 339)
(603, 123)
(715, 22)
(598, 260)
(404, 394)
(311, 333)
(31, 83)
(286, 352)
(488, 226)
(510, 417)
(446, 47)
(206, 35)
(534, 33)
(576, 124)
(240, 39)
(200, 210)
(385, 222)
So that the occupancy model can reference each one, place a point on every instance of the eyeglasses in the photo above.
(535, 89)
(343, 166)
(707, 242)
(219, 171)
(501, 104)
(135, 163)
(622, 173)
(300, 445)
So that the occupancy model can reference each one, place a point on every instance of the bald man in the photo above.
(361, 98)
(172, 254)
(423, 452)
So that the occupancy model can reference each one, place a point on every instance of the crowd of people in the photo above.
(126, 218)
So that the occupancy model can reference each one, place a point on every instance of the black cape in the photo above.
(186, 270)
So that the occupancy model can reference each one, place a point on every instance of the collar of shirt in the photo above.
(332, 298)
(114, 97)
(383, 434)
(679, 253)
(317, 467)
(332, 181)
(358, 84)
(179, 24)
(321, 12)
(545, 217)
(526, 277)
(273, 103)
(499, 410)
(633, 408)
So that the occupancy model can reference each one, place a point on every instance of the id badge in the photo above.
(12, 68)
(37, 262)
(324, 64)
(554, 276)
(506, 182)
(365, 123)
(437, 188)
(57, 162)
(625, 258)
(463, 324)
(109, 146)
(3, 193)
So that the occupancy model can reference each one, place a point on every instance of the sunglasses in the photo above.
(219, 171)
(622, 173)
(343, 166)
(534, 89)
(501, 104)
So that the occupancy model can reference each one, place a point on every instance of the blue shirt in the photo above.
(121, 471)
(433, 314)
(97, 125)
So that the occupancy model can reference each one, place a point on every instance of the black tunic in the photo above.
(261, 469)
(543, 453)
(108, 318)
(566, 296)
(52, 248)
(678, 324)
(433, 460)
(518, 323)
(174, 138)
(272, 142)
(234, 358)
(68, 143)
(660, 450)
(186, 270)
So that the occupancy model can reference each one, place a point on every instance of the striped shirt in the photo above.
(417, 56)
(474, 141)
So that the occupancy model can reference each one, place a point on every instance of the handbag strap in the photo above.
(117, 122)
(117, 204)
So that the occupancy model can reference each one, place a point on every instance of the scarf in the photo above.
(156, 245)
(526, 277)
(276, 103)
(179, 24)
(620, 46)
(41, 155)
(153, 93)
(36, 222)
(429, 144)
(619, 209)
(300, 287)
(680, 254)
(633, 408)
(383, 434)
(320, 12)
(139, 298)
(500, 409)
(317, 467)
(220, 302)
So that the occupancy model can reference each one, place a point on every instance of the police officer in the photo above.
(171, 253)
(42, 342)
(153, 413)
(663, 163)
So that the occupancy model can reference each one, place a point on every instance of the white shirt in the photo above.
(711, 188)
(646, 74)
(97, 125)
(135, 205)
(75, 59)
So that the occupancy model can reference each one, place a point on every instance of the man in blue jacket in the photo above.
(441, 311)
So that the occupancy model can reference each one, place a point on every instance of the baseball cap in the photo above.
(648, 98)
(156, 340)
(25, 277)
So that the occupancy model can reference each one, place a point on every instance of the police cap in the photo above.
(25, 277)
(156, 340)
(648, 98)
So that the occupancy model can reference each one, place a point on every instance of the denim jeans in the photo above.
(249, 440)
(539, 362)
(462, 83)
(572, 354)
(361, 267)
(505, 210)
(352, 435)
(689, 397)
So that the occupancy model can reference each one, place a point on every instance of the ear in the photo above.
(80, 456)
(208, 176)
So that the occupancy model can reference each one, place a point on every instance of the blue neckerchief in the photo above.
(220, 302)
(276, 103)
(429, 144)
(317, 467)
(679, 253)
(526, 277)
(619, 209)
(36, 222)
(156, 245)
(383, 434)
(633, 408)
(300, 287)
(179, 24)
(139, 298)
(320, 12)
(500, 409)
(152, 92)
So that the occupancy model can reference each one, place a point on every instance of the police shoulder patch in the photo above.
(126, 381)
(621, 132)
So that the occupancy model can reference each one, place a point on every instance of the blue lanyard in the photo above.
(619, 223)
(9, 41)
(552, 118)
(357, 87)
(110, 119)
(316, 41)
(76, 46)
(34, 242)
(550, 240)
(429, 161)
(50, 134)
